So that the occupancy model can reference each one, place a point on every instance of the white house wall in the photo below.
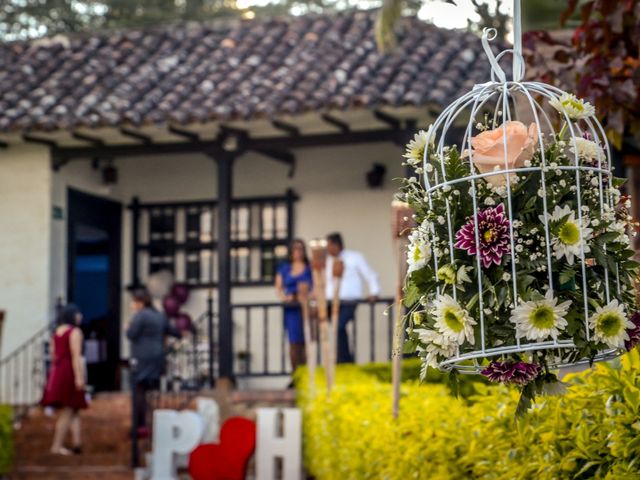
(25, 233)
(330, 182)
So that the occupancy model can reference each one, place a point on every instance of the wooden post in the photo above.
(401, 224)
(338, 269)
(1, 330)
(318, 264)
(225, 160)
(310, 342)
(2, 393)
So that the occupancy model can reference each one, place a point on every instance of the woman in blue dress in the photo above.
(290, 274)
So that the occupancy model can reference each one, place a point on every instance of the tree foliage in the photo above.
(20, 19)
(33, 18)
(491, 15)
(599, 62)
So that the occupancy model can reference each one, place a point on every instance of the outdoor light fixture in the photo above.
(230, 143)
(375, 176)
(109, 173)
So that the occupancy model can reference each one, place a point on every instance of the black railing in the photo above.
(260, 340)
(260, 343)
(23, 372)
(188, 360)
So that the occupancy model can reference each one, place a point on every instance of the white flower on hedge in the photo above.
(453, 321)
(436, 345)
(586, 149)
(567, 241)
(418, 255)
(574, 107)
(415, 148)
(609, 325)
(540, 319)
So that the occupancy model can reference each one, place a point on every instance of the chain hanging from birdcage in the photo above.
(521, 261)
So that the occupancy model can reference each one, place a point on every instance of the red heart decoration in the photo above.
(228, 459)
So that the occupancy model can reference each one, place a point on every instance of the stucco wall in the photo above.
(25, 233)
(330, 182)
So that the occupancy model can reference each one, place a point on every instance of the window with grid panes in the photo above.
(181, 238)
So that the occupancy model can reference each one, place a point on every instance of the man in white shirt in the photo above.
(356, 272)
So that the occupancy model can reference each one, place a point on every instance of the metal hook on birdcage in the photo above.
(490, 34)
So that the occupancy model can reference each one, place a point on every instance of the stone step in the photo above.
(84, 459)
(106, 446)
(72, 473)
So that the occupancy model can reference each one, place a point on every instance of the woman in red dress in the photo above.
(65, 387)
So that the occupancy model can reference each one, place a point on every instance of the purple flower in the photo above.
(509, 372)
(634, 333)
(493, 231)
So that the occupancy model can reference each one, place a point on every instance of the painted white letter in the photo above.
(173, 433)
(270, 445)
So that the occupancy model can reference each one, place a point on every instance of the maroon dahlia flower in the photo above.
(493, 232)
(634, 333)
(518, 373)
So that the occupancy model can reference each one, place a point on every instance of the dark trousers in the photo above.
(140, 400)
(347, 314)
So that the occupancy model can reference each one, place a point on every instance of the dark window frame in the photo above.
(163, 250)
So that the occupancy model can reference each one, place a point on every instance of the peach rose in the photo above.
(488, 149)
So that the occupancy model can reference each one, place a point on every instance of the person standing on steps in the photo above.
(290, 274)
(356, 272)
(146, 331)
(65, 388)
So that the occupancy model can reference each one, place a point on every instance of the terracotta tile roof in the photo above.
(241, 70)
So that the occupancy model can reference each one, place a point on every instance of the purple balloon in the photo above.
(183, 322)
(180, 291)
(171, 305)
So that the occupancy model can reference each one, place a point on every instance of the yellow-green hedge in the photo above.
(592, 431)
(6, 439)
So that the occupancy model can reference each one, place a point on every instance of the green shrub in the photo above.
(592, 431)
(464, 384)
(6, 439)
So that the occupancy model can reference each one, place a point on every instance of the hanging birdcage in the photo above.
(521, 260)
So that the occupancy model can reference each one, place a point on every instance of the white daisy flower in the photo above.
(566, 242)
(574, 107)
(609, 325)
(540, 319)
(418, 255)
(453, 321)
(415, 148)
(587, 150)
(436, 344)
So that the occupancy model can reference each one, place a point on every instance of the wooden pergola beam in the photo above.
(204, 146)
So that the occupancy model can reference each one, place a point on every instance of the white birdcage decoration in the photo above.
(521, 262)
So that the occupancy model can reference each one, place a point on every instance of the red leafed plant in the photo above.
(600, 62)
